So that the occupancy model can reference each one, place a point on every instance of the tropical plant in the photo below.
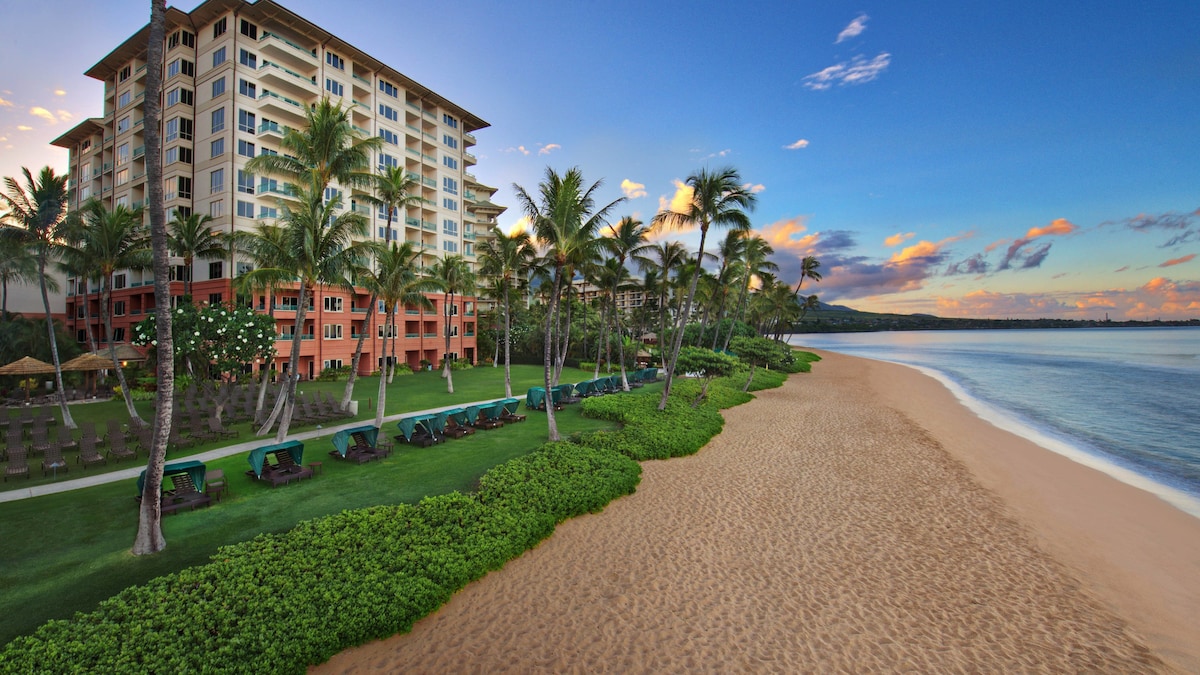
(718, 198)
(664, 259)
(706, 365)
(190, 236)
(396, 281)
(758, 351)
(325, 149)
(756, 253)
(730, 252)
(453, 274)
(508, 260)
(628, 242)
(17, 266)
(810, 268)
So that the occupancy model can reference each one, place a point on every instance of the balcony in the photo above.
(288, 52)
(428, 182)
(469, 159)
(361, 82)
(468, 139)
(286, 79)
(361, 208)
(269, 128)
(412, 222)
(139, 73)
(431, 335)
(412, 335)
(428, 226)
(361, 130)
(139, 151)
(271, 187)
(358, 310)
(283, 105)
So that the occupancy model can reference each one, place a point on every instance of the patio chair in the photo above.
(185, 494)
(88, 454)
(45, 416)
(18, 464)
(456, 423)
(40, 440)
(118, 450)
(218, 431)
(88, 430)
(66, 441)
(54, 461)
(214, 483)
(509, 414)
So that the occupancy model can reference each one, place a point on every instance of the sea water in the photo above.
(1125, 401)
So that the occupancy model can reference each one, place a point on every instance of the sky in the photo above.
(1021, 159)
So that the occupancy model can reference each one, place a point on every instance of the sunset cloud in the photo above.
(38, 111)
(1061, 226)
(60, 92)
(1023, 255)
(1178, 261)
(854, 29)
(522, 225)
(787, 236)
(897, 239)
(802, 143)
(4, 103)
(680, 202)
(975, 264)
(64, 115)
(858, 70)
(548, 148)
(754, 188)
(520, 148)
(633, 190)
(24, 127)
(1160, 298)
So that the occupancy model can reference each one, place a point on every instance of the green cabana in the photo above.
(460, 416)
(586, 388)
(193, 468)
(493, 411)
(258, 456)
(563, 392)
(341, 440)
(472, 413)
(535, 398)
(436, 423)
(511, 405)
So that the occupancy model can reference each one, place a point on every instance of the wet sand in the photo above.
(856, 519)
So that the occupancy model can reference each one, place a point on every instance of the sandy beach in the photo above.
(857, 519)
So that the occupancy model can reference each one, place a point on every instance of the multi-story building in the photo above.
(236, 75)
(628, 300)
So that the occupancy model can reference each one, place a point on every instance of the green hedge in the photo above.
(280, 602)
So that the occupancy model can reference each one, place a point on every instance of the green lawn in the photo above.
(66, 552)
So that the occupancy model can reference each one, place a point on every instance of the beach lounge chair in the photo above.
(456, 423)
(18, 464)
(53, 461)
(419, 430)
(88, 454)
(185, 495)
(358, 444)
(585, 389)
(493, 413)
(40, 440)
(509, 411)
(535, 398)
(118, 449)
(565, 394)
(286, 467)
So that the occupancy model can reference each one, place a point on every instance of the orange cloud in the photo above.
(922, 250)
(898, 238)
(633, 190)
(1178, 261)
(522, 225)
(1159, 298)
(680, 202)
(788, 235)
(1061, 226)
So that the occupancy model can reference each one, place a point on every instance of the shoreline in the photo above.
(860, 518)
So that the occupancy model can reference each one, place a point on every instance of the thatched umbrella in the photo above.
(26, 366)
(89, 363)
(125, 352)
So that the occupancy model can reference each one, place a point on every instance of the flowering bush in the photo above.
(225, 337)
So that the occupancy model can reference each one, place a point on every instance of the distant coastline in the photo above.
(835, 321)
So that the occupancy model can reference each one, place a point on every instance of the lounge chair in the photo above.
(66, 441)
(456, 423)
(286, 467)
(18, 464)
(117, 449)
(509, 412)
(40, 440)
(184, 495)
(88, 454)
(217, 430)
(565, 394)
(53, 461)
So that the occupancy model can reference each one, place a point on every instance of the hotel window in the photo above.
(450, 227)
(125, 73)
(216, 209)
(123, 200)
(450, 162)
(218, 147)
(185, 128)
(383, 213)
(245, 182)
(386, 161)
(179, 95)
(389, 89)
(180, 66)
(450, 246)
(389, 112)
(122, 153)
(173, 155)
(249, 30)
(216, 181)
(389, 136)
(245, 148)
(450, 204)
(335, 61)
(219, 56)
(449, 185)
(333, 304)
(333, 331)
(268, 212)
(123, 125)
(218, 87)
(215, 270)
(246, 121)
(332, 194)
(450, 141)
(248, 59)
(218, 120)
(334, 87)
(181, 37)
(450, 121)
(122, 176)
(247, 89)
(119, 305)
(245, 209)
(124, 99)
(184, 186)
(171, 130)
(219, 28)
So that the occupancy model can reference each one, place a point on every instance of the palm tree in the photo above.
(628, 242)
(718, 198)
(190, 237)
(664, 258)
(453, 273)
(17, 266)
(755, 261)
(809, 268)
(565, 220)
(320, 248)
(35, 217)
(396, 281)
(106, 241)
(327, 148)
(731, 252)
(262, 246)
(507, 259)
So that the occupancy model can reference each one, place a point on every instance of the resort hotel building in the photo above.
(236, 74)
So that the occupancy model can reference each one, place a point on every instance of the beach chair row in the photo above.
(430, 428)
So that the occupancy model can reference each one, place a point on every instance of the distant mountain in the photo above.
(826, 307)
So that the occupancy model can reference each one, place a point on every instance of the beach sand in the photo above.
(857, 519)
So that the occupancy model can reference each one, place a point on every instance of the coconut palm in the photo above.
(319, 248)
(189, 237)
(107, 240)
(664, 259)
(730, 252)
(262, 246)
(396, 281)
(719, 199)
(453, 274)
(565, 220)
(755, 261)
(17, 266)
(627, 242)
(325, 149)
(810, 268)
(508, 260)
(36, 212)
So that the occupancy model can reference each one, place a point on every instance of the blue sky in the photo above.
(1017, 159)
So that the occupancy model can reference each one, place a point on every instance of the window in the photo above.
(123, 200)
(389, 89)
(179, 95)
(450, 162)
(184, 185)
(450, 227)
(216, 181)
(389, 112)
(122, 153)
(119, 305)
(247, 89)
(383, 214)
(218, 120)
(245, 209)
(333, 304)
(123, 125)
(246, 121)
(245, 148)
(292, 303)
(450, 246)
(266, 151)
(124, 99)
(333, 363)
(389, 136)
(268, 212)
(334, 87)
(245, 182)
(185, 128)
(386, 161)
(125, 73)
(216, 270)
(218, 147)
(218, 87)
(388, 233)
(450, 141)
(450, 204)
(179, 66)
(214, 299)
(335, 61)
(122, 176)
(449, 185)
(249, 30)
(248, 59)
(219, 56)
(333, 331)
(332, 194)
(216, 209)
(118, 335)
(450, 121)
(173, 155)
(219, 28)
(171, 132)
(271, 185)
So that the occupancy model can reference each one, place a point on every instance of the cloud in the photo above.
(854, 29)
(855, 71)
(754, 188)
(548, 148)
(1121, 269)
(64, 115)
(520, 148)
(1021, 255)
(1178, 261)
(60, 92)
(721, 153)
(522, 225)
(802, 143)
(38, 111)
(1160, 298)
(23, 127)
(787, 236)
(1143, 222)
(898, 238)
(972, 265)
(633, 190)
(1060, 226)
(1179, 239)
(680, 202)
(5, 103)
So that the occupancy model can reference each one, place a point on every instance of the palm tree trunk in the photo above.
(58, 381)
(349, 393)
(382, 380)
(551, 310)
(566, 340)
(601, 342)
(620, 343)
(682, 323)
(447, 305)
(507, 342)
(106, 317)
(289, 405)
(741, 310)
(720, 316)
(390, 365)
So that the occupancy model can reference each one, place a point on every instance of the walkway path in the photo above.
(215, 453)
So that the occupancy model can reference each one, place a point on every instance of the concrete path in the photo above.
(216, 453)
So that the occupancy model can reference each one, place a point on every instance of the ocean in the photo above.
(1121, 400)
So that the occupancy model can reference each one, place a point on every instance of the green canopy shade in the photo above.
(472, 412)
(650, 374)
(535, 398)
(341, 440)
(585, 388)
(563, 391)
(193, 468)
(460, 416)
(258, 456)
(511, 405)
(409, 425)
(493, 411)
(437, 422)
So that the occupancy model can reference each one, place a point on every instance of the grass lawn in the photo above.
(66, 552)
